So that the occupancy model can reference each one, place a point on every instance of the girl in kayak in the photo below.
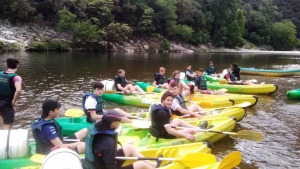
(236, 71)
(162, 123)
(125, 86)
(176, 79)
(101, 146)
(159, 78)
(210, 69)
(232, 79)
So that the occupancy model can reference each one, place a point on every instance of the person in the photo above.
(92, 105)
(11, 87)
(175, 79)
(122, 86)
(48, 133)
(222, 75)
(159, 78)
(231, 78)
(189, 73)
(210, 69)
(101, 146)
(236, 71)
(201, 86)
(162, 125)
(178, 106)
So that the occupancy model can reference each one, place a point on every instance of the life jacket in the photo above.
(188, 77)
(232, 77)
(181, 103)
(123, 82)
(202, 83)
(210, 70)
(161, 78)
(7, 87)
(176, 80)
(99, 107)
(36, 125)
(91, 161)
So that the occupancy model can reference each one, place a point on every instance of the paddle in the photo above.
(74, 113)
(231, 160)
(189, 160)
(241, 105)
(243, 134)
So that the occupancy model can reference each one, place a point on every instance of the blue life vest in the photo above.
(161, 78)
(90, 161)
(181, 103)
(188, 77)
(99, 106)
(36, 125)
(7, 87)
(201, 82)
(123, 82)
(210, 70)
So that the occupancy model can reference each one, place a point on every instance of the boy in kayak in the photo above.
(10, 90)
(101, 146)
(200, 84)
(189, 73)
(162, 123)
(122, 86)
(48, 133)
(210, 69)
(159, 78)
(92, 104)
(178, 106)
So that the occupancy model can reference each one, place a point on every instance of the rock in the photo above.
(178, 48)
(146, 47)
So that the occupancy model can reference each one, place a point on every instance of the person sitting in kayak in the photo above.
(162, 123)
(159, 78)
(122, 86)
(201, 86)
(189, 73)
(210, 69)
(175, 79)
(92, 104)
(236, 71)
(101, 146)
(178, 106)
(48, 133)
(231, 78)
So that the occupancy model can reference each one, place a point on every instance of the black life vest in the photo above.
(120, 79)
(7, 87)
(99, 107)
(188, 77)
(161, 78)
(201, 82)
(210, 70)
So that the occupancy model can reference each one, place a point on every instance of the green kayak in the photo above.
(293, 94)
(269, 72)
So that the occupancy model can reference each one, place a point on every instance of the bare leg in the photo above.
(165, 86)
(81, 134)
(81, 148)
(130, 151)
(181, 123)
(138, 89)
(196, 107)
(120, 111)
(1, 123)
(7, 127)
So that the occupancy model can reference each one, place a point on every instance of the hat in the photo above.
(49, 105)
(111, 116)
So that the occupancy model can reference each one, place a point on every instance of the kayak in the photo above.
(293, 94)
(269, 72)
(147, 99)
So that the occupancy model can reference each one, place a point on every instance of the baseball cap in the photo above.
(111, 116)
(49, 105)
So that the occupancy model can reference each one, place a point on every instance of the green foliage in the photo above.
(1, 45)
(85, 30)
(38, 18)
(66, 21)
(169, 9)
(283, 35)
(145, 25)
(165, 44)
(200, 37)
(38, 46)
(102, 10)
(118, 33)
(184, 31)
(58, 45)
(16, 10)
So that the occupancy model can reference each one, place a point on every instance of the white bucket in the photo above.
(62, 158)
(182, 76)
(17, 143)
(109, 85)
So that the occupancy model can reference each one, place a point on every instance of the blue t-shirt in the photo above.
(47, 133)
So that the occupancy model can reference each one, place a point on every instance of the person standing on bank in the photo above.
(10, 87)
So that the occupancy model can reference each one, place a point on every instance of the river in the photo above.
(66, 76)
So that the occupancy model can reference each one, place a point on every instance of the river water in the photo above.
(66, 76)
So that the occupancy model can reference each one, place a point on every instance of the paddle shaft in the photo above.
(65, 139)
(211, 131)
(147, 158)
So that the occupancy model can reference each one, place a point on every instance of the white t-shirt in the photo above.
(223, 73)
(176, 104)
(90, 103)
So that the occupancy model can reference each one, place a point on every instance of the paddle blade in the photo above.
(74, 113)
(150, 88)
(244, 104)
(223, 90)
(249, 135)
(231, 160)
(38, 158)
(197, 159)
(141, 124)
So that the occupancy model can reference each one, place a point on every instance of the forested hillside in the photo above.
(225, 23)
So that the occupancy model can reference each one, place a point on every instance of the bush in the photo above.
(38, 46)
(11, 47)
(1, 45)
(58, 45)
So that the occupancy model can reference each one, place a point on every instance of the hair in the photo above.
(235, 66)
(120, 71)
(188, 65)
(12, 63)
(165, 95)
(210, 62)
(98, 85)
(201, 70)
(175, 84)
(162, 68)
(229, 67)
(106, 121)
(176, 72)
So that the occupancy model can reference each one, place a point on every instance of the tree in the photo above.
(118, 33)
(145, 25)
(269, 10)
(85, 30)
(283, 35)
(66, 21)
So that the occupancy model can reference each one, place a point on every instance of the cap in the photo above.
(111, 116)
(49, 105)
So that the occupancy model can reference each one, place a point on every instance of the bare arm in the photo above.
(58, 142)
(17, 93)
(185, 111)
(94, 115)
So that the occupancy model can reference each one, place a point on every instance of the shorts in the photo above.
(7, 112)
(120, 153)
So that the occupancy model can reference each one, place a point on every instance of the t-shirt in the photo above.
(47, 133)
(16, 79)
(90, 103)
(105, 146)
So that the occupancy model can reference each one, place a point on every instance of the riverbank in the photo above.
(35, 37)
